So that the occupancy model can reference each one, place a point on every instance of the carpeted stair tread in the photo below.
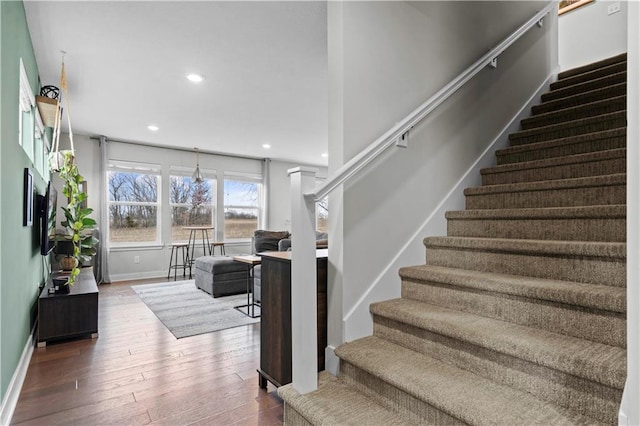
(564, 307)
(581, 212)
(587, 86)
(602, 263)
(584, 191)
(335, 403)
(600, 93)
(594, 361)
(589, 75)
(534, 247)
(593, 296)
(565, 129)
(456, 392)
(590, 142)
(526, 170)
(589, 181)
(592, 66)
(605, 106)
(586, 223)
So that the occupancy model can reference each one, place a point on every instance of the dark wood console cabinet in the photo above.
(62, 316)
(275, 322)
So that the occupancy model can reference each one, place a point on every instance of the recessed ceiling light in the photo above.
(153, 127)
(324, 155)
(266, 146)
(195, 78)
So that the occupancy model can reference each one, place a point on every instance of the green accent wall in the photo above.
(22, 268)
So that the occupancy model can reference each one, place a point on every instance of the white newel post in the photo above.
(304, 340)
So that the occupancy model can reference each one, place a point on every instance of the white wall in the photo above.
(391, 58)
(280, 194)
(588, 33)
(154, 260)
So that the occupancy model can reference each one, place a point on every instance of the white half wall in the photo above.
(383, 76)
(588, 33)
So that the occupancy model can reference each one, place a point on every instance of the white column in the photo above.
(304, 340)
(629, 413)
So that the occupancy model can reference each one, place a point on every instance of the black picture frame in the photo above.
(27, 217)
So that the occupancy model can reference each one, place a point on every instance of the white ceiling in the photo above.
(265, 68)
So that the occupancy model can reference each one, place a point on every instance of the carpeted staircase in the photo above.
(519, 314)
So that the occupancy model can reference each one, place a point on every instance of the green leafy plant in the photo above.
(77, 220)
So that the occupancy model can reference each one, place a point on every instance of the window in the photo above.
(242, 201)
(322, 211)
(26, 114)
(322, 215)
(134, 203)
(191, 204)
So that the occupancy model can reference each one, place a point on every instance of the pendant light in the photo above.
(197, 176)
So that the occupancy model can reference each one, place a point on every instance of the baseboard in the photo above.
(10, 399)
(357, 322)
(142, 276)
(331, 360)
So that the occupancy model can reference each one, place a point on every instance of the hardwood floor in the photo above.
(136, 372)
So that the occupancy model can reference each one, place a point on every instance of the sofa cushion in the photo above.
(268, 240)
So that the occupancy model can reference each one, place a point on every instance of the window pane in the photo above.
(237, 193)
(133, 187)
(182, 190)
(239, 222)
(241, 208)
(133, 223)
(322, 215)
(189, 216)
(195, 205)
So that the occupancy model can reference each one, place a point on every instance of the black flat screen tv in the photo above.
(47, 205)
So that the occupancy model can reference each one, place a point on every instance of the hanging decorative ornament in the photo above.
(56, 157)
(197, 175)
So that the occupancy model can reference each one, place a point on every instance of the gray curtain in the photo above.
(102, 261)
(266, 182)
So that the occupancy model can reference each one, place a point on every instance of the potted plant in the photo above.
(77, 221)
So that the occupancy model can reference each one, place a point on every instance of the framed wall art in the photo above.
(565, 6)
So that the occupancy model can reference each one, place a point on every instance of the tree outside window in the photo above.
(322, 215)
(133, 207)
(191, 205)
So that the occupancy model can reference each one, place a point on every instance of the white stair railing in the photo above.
(304, 197)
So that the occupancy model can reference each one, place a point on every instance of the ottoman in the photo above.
(221, 275)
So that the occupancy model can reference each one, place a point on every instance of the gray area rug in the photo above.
(187, 311)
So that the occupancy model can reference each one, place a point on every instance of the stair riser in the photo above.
(413, 410)
(594, 124)
(562, 197)
(581, 395)
(563, 171)
(619, 89)
(606, 107)
(569, 268)
(561, 149)
(585, 87)
(580, 229)
(589, 76)
(591, 324)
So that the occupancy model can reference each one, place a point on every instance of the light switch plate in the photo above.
(613, 8)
